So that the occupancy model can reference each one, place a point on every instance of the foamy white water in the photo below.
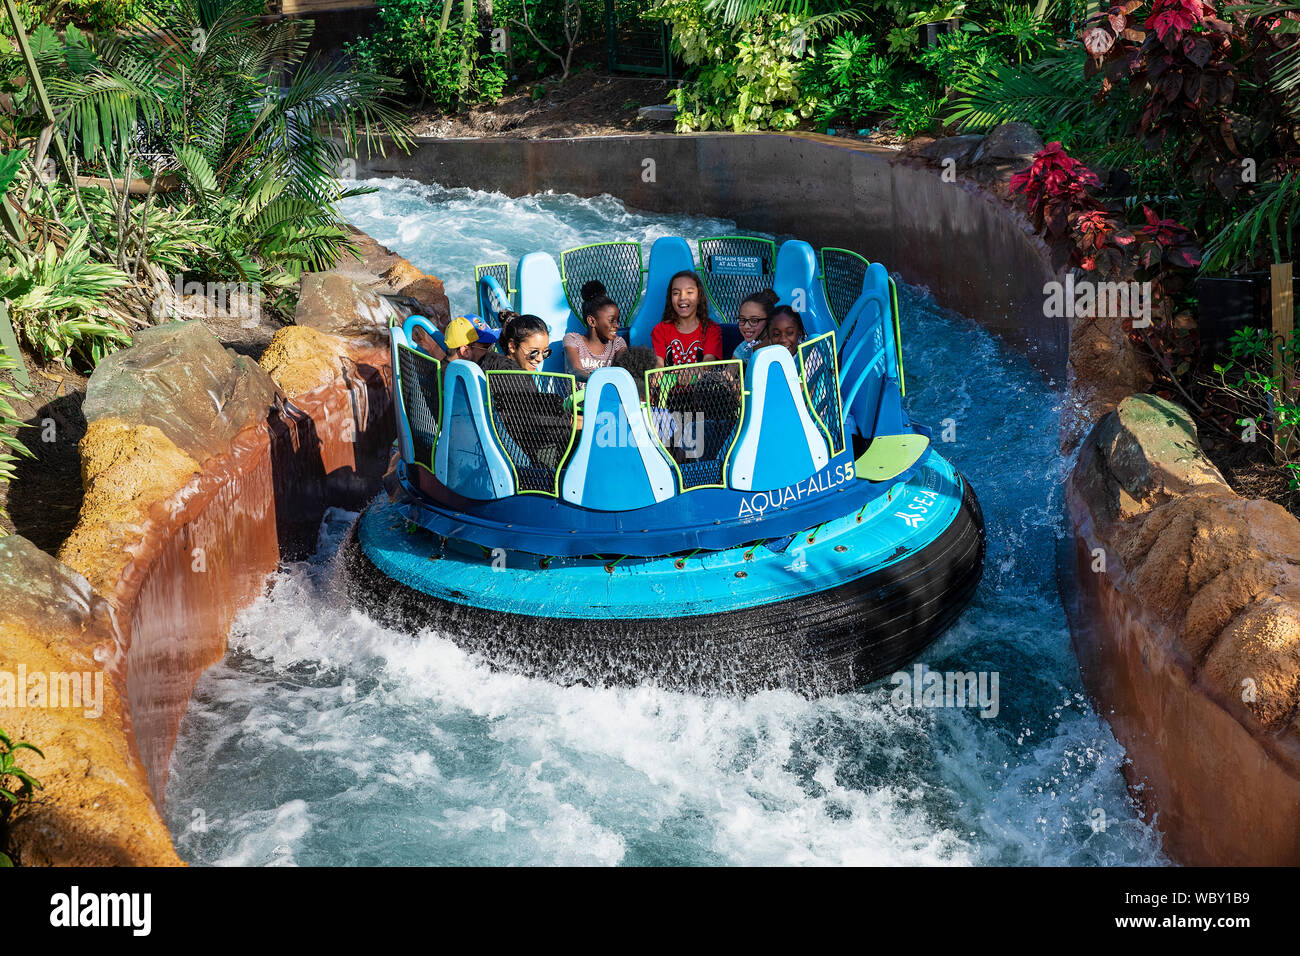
(324, 739)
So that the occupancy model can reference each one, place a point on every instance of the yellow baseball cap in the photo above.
(468, 329)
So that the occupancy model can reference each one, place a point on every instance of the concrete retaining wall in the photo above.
(973, 251)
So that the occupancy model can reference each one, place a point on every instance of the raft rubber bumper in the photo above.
(830, 610)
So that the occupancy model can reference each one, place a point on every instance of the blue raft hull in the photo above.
(825, 610)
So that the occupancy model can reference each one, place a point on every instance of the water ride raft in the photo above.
(806, 536)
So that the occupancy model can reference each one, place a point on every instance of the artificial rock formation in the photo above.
(202, 472)
(94, 808)
(330, 302)
(178, 378)
(301, 358)
(1186, 621)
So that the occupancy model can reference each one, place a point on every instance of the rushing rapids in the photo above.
(326, 738)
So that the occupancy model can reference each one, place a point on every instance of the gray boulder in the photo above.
(1008, 143)
(179, 379)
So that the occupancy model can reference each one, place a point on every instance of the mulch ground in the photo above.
(1252, 478)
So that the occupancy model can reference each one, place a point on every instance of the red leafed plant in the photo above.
(1081, 231)
(1056, 190)
(1085, 234)
(1165, 243)
(1190, 68)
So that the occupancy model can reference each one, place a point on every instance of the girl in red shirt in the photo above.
(686, 334)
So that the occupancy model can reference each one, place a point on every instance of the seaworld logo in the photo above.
(822, 481)
(918, 508)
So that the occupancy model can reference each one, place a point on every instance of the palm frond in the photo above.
(1270, 223)
(1048, 91)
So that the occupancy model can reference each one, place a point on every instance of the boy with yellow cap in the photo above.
(469, 338)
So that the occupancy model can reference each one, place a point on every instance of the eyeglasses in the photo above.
(536, 356)
(748, 320)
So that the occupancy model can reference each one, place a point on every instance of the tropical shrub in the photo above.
(89, 14)
(1092, 237)
(53, 297)
(11, 446)
(1171, 79)
(746, 76)
(443, 61)
(1246, 389)
(256, 131)
(16, 784)
(849, 81)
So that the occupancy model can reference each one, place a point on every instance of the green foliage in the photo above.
(1270, 223)
(90, 14)
(1051, 93)
(916, 108)
(746, 76)
(545, 34)
(53, 297)
(256, 130)
(1022, 32)
(444, 64)
(1246, 384)
(10, 445)
(957, 56)
(16, 784)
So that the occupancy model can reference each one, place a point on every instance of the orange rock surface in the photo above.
(1186, 621)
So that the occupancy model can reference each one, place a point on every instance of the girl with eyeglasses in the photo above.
(752, 320)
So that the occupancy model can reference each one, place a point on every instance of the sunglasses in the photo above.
(536, 356)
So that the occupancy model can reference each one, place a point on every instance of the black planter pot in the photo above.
(1229, 303)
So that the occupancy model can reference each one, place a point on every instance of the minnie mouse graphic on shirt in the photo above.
(684, 348)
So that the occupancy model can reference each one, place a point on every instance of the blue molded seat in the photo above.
(541, 293)
(492, 299)
(468, 459)
(797, 286)
(668, 256)
(779, 442)
(414, 322)
(618, 465)
(869, 374)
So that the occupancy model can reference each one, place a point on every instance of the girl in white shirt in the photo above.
(597, 349)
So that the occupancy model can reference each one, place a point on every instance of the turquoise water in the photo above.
(324, 739)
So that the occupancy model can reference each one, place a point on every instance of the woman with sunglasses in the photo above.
(755, 313)
(526, 340)
(533, 417)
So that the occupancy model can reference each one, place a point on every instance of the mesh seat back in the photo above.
(615, 264)
(532, 425)
(734, 267)
(420, 385)
(819, 370)
(695, 412)
(842, 275)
